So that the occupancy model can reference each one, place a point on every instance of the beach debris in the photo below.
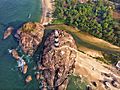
(58, 62)
(28, 79)
(8, 32)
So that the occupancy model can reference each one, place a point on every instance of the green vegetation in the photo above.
(29, 27)
(112, 58)
(94, 18)
(109, 58)
(76, 83)
(58, 21)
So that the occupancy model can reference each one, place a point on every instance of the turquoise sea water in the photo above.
(14, 13)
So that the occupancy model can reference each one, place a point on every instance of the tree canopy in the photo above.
(92, 17)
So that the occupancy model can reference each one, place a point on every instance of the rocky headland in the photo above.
(58, 59)
(8, 32)
(30, 36)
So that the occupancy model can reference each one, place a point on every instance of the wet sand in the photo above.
(47, 7)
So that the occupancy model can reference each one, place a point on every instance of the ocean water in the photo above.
(15, 13)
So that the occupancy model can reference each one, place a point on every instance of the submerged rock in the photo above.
(58, 60)
(30, 37)
(8, 32)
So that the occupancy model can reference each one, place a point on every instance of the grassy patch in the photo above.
(76, 83)
(58, 21)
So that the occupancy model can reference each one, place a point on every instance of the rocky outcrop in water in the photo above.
(30, 36)
(8, 32)
(58, 59)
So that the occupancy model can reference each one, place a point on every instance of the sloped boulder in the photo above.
(58, 59)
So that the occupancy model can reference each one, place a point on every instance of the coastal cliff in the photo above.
(30, 36)
(58, 59)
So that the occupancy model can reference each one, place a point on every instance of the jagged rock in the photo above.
(28, 79)
(8, 32)
(30, 37)
(58, 60)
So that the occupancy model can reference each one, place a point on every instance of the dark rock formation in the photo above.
(30, 37)
(58, 59)
(8, 32)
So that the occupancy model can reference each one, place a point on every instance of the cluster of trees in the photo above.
(92, 17)
(109, 57)
(76, 83)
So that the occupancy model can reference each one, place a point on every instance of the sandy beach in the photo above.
(47, 8)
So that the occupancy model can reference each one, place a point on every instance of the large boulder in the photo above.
(30, 36)
(58, 59)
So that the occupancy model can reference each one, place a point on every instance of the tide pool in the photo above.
(15, 13)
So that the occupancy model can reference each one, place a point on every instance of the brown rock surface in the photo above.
(28, 79)
(8, 32)
(58, 61)
(30, 37)
(15, 54)
(25, 69)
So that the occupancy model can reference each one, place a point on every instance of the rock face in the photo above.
(30, 37)
(58, 59)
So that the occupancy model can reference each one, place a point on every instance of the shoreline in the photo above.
(47, 9)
